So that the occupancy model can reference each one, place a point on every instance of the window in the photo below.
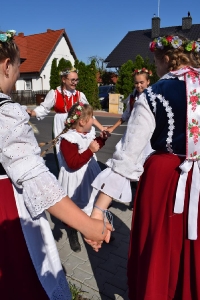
(28, 84)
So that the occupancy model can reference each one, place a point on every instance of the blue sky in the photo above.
(94, 27)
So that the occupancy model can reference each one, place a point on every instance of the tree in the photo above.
(63, 64)
(54, 76)
(87, 82)
(125, 83)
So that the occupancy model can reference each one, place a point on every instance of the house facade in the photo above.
(137, 42)
(37, 52)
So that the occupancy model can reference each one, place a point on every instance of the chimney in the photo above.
(155, 31)
(21, 34)
(187, 22)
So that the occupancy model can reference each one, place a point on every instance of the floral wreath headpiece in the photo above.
(174, 42)
(67, 71)
(75, 116)
(139, 71)
(7, 36)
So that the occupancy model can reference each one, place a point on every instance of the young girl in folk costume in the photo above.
(141, 81)
(79, 166)
(164, 252)
(29, 261)
(62, 100)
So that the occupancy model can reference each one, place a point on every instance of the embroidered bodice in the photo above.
(64, 105)
(170, 115)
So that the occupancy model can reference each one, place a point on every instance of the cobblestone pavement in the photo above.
(100, 275)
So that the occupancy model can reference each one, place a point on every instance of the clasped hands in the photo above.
(106, 231)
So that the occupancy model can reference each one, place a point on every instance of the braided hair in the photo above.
(77, 111)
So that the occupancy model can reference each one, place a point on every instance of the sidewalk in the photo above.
(99, 275)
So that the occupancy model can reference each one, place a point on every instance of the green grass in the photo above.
(77, 293)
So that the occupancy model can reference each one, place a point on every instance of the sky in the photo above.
(94, 27)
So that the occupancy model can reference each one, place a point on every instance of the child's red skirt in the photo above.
(163, 264)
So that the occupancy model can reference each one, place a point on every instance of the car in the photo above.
(104, 91)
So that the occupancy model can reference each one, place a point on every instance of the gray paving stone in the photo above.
(121, 251)
(98, 280)
(125, 296)
(124, 230)
(112, 291)
(86, 267)
(120, 261)
(95, 260)
(81, 275)
(71, 263)
(65, 252)
(83, 254)
(119, 280)
(110, 265)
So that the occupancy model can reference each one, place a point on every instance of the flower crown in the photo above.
(138, 71)
(67, 71)
(174, 42)
(75, 116)
(7, 36)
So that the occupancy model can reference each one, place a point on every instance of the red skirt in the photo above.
(163, 264)
(18, 278)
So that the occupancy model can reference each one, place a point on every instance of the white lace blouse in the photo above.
(20, 157)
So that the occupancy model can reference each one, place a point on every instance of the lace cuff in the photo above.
(41, 192)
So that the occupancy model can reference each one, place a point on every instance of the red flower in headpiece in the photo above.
(152, 46)
(193, 46)
(169, 38)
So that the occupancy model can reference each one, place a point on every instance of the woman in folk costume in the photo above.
(62, 100)
(30, 267)
(164, 252)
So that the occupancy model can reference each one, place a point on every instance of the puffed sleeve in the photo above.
(128, 156)
(83, 98)
(20, 157)
(45, 107)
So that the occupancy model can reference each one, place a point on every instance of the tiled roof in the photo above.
(37, 48)
(137, 43)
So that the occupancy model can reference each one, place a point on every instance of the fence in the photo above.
(29, 97)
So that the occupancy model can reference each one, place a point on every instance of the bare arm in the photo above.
(98, 125)
(112, 128)
(70, 214)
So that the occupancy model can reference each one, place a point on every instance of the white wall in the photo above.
(41, 82)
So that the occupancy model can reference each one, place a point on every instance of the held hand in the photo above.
(31, 112)
(110, 129)
(105, 134)
(97, 233)
(99, 216)
(94, 146)
(103, 128)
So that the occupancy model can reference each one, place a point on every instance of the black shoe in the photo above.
(73, 240)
